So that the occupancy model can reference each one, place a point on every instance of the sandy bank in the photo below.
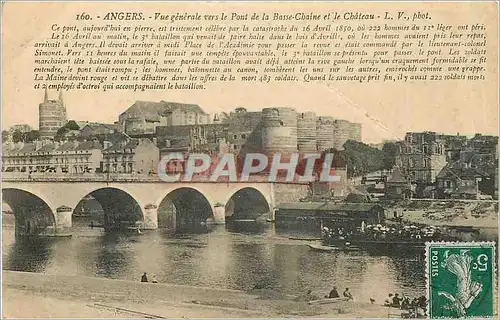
(51, 296)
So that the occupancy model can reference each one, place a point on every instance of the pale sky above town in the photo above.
(386, 111)
(382, 116)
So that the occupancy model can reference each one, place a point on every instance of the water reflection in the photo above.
(29, 254)
(114, 258)
(237, 256)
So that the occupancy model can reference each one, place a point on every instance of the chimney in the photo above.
(46, 96)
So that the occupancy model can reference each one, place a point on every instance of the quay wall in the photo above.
(289, 192)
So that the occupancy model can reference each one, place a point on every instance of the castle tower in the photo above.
(52, 116)
(61, 97)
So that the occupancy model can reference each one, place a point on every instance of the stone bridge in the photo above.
(45, 204)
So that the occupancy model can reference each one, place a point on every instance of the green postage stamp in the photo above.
(460, 279)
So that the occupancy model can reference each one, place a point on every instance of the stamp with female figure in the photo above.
(461, 279)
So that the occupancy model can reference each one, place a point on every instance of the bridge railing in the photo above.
(117, 177)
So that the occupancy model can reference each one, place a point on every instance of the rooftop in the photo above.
(152, 111)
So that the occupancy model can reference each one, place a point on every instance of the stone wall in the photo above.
(289, 193)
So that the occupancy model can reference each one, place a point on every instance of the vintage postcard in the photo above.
(249, 159)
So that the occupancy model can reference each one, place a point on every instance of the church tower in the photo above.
(51, 116)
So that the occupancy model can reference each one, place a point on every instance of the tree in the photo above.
(31, 136)
(17, 136)
(389, 153)
(361, 158)
(5, 136)
(60, 134)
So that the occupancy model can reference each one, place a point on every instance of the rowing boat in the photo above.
(318, 247)
(328, 300)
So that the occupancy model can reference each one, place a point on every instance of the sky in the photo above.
(386, 111)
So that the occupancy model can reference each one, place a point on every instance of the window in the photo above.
(425, 148)
(235, 136)
(243, 136)
(412, 162)
(448, 183)
(426, 163)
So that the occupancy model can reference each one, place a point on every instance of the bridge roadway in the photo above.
(44, 203)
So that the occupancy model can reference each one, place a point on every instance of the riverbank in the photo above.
(33, 295)
(474, 214)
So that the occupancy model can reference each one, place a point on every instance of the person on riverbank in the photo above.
(334, 293)
(144, 277)
(308, 296)
(153, 279)
(388, 301)
(347, 294)
(396, 301)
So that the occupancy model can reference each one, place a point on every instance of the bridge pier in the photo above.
(150, 217)
(219, 215)
(63, 220)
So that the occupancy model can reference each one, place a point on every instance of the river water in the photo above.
(241, 257)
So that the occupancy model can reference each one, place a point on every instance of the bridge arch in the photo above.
(184, 207)
(33, 214)
(247, 202)
(119, 207)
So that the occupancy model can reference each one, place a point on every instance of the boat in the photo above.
(328, 300)
(318, 247)
(306, 239)
(380, 244)
(386, 238)
(56, 235)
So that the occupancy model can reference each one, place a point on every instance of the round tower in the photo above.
(341, 133)
(306, 132)
(324, 133)
(279, 130)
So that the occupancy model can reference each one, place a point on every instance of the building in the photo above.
(314, 214)
(421, 157)
(470, 177)
(49, 156)
(397, 186)
(93, 129)
(142, 118)
(481, 144)
(240, 130)
(453, 145)
(52, 116)
(191, 137)
(244, 130)
(136, 155)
